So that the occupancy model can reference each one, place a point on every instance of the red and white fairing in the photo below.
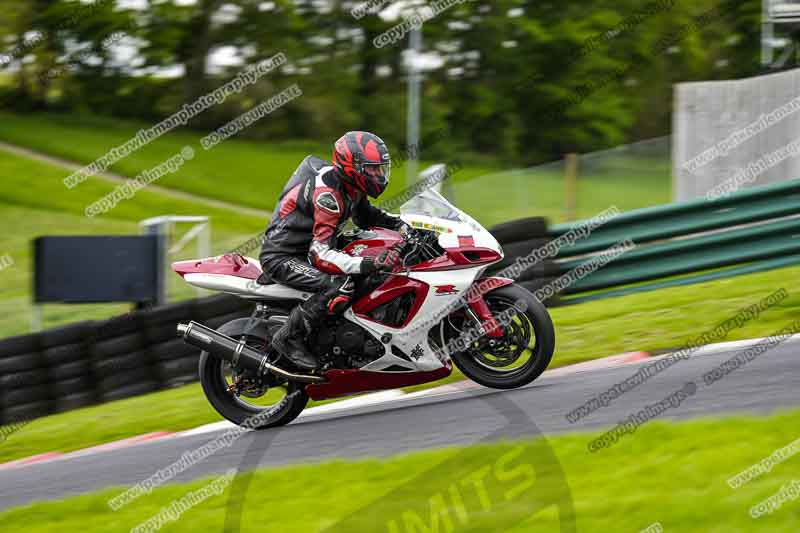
(439, 286)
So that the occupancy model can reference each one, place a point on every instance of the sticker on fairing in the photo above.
(358, 248)
(431, 227)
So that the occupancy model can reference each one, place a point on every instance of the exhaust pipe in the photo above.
(236, 352)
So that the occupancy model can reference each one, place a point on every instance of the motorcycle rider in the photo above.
(299, 248)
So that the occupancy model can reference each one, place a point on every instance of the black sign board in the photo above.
(97, 269)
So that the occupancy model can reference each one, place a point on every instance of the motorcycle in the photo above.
(405, 327)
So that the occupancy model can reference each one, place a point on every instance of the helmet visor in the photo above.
(378, 170)
(377, 177)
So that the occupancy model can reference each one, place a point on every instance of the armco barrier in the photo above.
(747, 231)
(91, 362)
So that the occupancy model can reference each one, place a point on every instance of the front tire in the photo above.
(215, 381)
(487, 365)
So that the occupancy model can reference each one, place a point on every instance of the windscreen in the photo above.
(432, 204)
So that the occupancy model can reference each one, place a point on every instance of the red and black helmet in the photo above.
(363, 159)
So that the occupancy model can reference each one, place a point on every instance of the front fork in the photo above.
(479, 310)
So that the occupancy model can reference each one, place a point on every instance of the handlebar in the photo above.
(410, 240)
(404, 248)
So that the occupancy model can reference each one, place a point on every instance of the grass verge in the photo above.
(253, 173)
(34, 202)
(670, 473)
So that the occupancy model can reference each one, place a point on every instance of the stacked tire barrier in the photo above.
(519, 238)
(100, 361)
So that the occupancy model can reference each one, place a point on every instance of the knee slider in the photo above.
(340, 292)
(338, 304)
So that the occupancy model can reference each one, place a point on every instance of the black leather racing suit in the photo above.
(299, 248)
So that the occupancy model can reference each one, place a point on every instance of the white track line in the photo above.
(711, 349)
(391, 396)
(376, 398)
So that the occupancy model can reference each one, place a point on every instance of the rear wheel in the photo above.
(239, 396)
(523, 352)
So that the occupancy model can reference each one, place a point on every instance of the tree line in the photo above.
(522, 80)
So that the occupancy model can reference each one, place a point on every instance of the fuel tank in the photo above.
(369, 243)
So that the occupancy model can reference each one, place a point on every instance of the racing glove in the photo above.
(385, 262)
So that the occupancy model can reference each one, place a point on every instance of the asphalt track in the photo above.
(768, 383)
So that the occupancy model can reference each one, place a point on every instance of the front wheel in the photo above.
(520, 355)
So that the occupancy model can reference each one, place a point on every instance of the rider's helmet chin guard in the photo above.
(363, 159)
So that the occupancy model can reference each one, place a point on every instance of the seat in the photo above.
(265, 279)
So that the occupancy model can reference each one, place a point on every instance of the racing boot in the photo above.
(289, 341)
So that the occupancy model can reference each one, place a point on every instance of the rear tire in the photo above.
(541, 353)
(212, 378)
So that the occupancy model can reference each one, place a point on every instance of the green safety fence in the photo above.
(689, 242)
